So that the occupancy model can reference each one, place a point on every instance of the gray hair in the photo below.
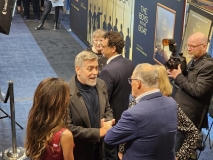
(98, 33)
(83, 56)
(147, 74)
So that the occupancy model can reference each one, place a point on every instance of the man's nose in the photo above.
(95, 71)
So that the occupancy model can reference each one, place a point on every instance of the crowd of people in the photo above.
(91, 117)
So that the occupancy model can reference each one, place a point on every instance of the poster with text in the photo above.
(153, 22)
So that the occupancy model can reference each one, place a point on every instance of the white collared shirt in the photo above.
(146, 93)
(111, 58)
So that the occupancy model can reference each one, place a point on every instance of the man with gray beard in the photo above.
(89, 113)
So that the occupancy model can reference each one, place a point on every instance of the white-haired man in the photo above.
(148, 128)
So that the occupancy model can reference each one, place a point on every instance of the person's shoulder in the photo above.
(67, 133)
(207, 64)
(71, 81)
(170, 99)
(100, 82)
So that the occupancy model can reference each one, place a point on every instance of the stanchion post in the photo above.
(13, 153)
(12, 111)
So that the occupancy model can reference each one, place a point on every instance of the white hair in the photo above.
(147, 74)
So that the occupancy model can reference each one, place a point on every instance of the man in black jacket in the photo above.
(196, 88)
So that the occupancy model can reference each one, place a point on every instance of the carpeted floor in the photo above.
(27, 56)
(58, 46)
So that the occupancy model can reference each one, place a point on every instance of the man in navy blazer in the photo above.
(115, 75)
(148, 128)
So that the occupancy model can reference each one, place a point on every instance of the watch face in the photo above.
(164, 29)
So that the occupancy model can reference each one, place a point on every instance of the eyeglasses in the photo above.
(131, 79)
(97, 41)
(192, 47)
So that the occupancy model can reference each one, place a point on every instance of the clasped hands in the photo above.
(105, 126)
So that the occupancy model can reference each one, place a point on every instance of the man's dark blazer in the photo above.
(79, 124)
(115, 75)
(195, 90)
(148, 129)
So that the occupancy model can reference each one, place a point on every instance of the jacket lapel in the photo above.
(78, 103)
(101, 96)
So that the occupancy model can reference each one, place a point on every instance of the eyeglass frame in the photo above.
(130, 80)
(193, 47)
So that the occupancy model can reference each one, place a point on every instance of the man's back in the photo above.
(148, 128)
(157, 125)
(115, 75)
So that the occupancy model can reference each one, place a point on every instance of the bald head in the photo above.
(197, 45)
(199, 37)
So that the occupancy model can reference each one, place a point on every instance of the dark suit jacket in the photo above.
(79, 124)
(115, 75)
(195, 91)
(148, 129)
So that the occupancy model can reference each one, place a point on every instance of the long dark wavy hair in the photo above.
(47, 115)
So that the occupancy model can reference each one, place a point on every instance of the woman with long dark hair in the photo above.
(47, 137)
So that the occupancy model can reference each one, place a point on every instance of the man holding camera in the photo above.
(196, 88)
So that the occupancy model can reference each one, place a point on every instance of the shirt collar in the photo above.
(113, 57)
(145, 94)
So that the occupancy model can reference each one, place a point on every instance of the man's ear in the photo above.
(113, 49)
(139, 84)
(78, 70)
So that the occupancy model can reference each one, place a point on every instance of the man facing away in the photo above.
(89, 108)
(115, 75)
(196, 88)
(148, 128)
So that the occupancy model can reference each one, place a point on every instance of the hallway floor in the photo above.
(27, 56)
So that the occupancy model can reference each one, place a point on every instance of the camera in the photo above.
(175, 59)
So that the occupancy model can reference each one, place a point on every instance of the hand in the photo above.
(120, 155)
(105, 126)
(173, 73)
(104, 129)
(111, 122)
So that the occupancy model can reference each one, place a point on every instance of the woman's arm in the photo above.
(67, 144)
(190, 144)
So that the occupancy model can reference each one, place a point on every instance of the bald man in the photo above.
(196, 89)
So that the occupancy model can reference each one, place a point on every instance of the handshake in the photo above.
(105, 126)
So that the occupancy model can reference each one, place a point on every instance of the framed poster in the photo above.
(164, 29)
